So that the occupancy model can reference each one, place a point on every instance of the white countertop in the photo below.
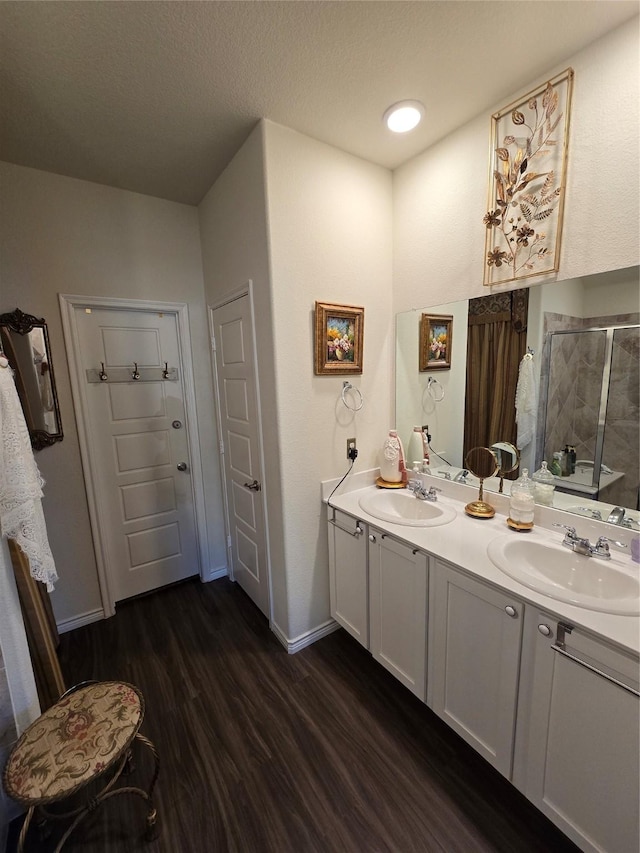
(463, 542)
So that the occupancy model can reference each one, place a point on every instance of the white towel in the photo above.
(21, 515)
(526, 402)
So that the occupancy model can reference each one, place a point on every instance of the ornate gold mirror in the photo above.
(25, 341)
(483, 463)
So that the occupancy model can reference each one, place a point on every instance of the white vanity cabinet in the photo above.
(398, 609)
(577, 742)
(475, 634)
(348, 578)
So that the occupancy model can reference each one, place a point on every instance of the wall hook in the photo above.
(103, 376)
(135, 374)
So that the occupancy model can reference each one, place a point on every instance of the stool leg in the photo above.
(152, 814)
(24, 830)
(129, 765)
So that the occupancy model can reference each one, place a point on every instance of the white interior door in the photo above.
(237, 401)
(139, 447)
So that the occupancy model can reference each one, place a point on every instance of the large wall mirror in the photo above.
(585, 343)
(25, 342)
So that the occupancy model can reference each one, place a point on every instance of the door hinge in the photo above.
(221, 446)
(213, 343)
(229, 541)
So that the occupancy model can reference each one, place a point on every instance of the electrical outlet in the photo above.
(351, 446)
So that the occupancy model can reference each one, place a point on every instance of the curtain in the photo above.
(496, 343)
(41, 630)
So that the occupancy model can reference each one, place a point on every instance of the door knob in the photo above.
(181, 466)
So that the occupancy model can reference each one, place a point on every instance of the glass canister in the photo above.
(522, 503)
(544, 485)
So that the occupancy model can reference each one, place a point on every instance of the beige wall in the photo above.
(60, 235)
(440, 196)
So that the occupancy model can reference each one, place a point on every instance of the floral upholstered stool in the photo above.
(86, 736)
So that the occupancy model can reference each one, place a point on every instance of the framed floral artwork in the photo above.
(435, 341)
(338, 339)
(527, 183)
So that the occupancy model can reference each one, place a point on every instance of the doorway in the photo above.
(237, 399)
(135, 407)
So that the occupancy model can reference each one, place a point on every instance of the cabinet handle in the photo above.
(562, 650)
(372, 538)
(357, 532)
(511, 611)
(545, 630)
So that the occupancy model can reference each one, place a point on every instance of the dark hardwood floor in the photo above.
(264, 752)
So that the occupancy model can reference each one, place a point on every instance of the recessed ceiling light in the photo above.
(404, 116)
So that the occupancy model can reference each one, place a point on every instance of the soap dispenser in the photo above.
(544, 485)
(522, 503)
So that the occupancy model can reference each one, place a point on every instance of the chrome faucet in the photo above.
(445, 474)
(461, 476)
(582, 546)
(422, 493)
(616, 515)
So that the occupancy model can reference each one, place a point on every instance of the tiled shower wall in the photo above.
(573, 399)
(622, 431)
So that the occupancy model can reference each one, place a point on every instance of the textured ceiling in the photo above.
(157, 97)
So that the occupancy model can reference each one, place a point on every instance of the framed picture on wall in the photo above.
(338, 339)
(435, 341)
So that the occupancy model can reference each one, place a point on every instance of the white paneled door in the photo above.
(139, 447)
(237, 400)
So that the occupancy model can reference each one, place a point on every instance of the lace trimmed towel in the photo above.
(526, 402)
(21, 515)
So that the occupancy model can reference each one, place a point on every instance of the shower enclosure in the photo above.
(592, 404)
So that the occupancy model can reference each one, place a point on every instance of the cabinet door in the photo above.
(577, 745)
(348, 585)
(398, 609)
(474, 651)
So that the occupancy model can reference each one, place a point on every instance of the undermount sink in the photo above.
(402, 507)
(548, 567)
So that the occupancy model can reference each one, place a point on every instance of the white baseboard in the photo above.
(306, 639)
(80, 620)
(214, 574)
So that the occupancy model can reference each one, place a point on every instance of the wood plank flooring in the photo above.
(264, 752)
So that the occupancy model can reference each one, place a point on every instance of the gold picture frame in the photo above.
(527, 183)
(339, 331)
(436, 334)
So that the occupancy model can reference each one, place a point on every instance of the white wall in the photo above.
(61, 235)
(330, 227)
(440, 196)
(415, 404)
(233, 228)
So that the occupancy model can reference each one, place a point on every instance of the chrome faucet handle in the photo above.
(432, 494)
(445, 474)
(603, 543)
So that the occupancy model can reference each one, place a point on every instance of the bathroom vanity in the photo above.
(544, 687)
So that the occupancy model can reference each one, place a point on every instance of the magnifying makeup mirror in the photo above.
(483, 463)
(508, 457)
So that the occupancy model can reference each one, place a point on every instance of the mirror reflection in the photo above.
(581, 405)
(25, 342)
